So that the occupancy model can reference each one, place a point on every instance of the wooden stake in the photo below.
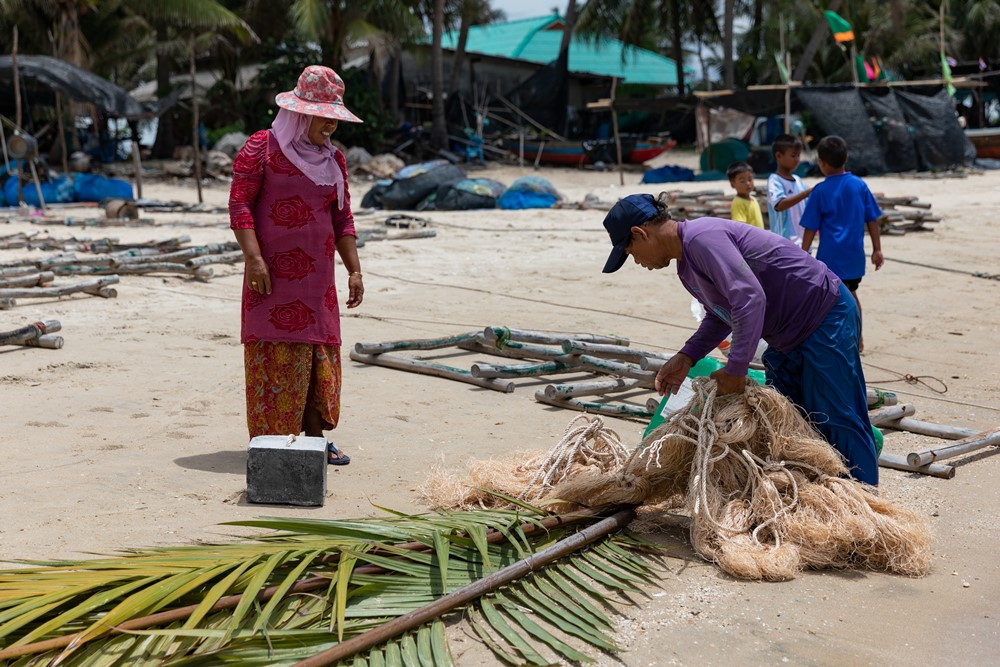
(430, 368)
(963, 446)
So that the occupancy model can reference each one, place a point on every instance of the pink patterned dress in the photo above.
(291, 337)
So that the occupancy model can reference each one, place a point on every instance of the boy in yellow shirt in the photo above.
(744, 208)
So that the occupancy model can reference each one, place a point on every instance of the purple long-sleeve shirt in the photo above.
(754, 284)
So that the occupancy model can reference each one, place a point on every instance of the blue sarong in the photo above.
(824, 378)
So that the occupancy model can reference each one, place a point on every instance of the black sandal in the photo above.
(335, 457)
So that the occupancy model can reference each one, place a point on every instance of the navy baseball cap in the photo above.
(632, 211)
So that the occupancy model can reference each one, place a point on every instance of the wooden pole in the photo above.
(44, 341)
(930, 429)
(38, 185)
(17, 110)
(590, 388)
(897, 462)
(522, 370)
(430, 368)
(621, 352)
(963, 446)
(788, 93)
(194, 123)
(890, 414)
(60, 125)
(422, 344)
(609, 409)
(97, 287)
(599, 365)
(543, 338)
(30, 280)
(31, 331)
(614, 127)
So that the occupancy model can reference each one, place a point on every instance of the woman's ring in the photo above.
(253, 283)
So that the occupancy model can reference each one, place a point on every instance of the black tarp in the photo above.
(891, 127)
(841, 112)
(940, 141)
(74, 82)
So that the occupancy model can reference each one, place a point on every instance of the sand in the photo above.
(133, 434)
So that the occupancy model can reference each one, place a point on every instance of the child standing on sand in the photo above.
(744, 207)
(786, 193)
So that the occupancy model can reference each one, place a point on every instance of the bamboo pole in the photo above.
(312, 583)
(431, 368)
(590, 388)
(930, 429)
(34, 330)
(60, 126)
(473, 591)
(963, 446)
(424, 344)
(897, 462)
(97, 286)
(526, 336)
(878, 398)
(890, 414)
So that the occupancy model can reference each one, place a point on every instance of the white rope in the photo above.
(587, 444)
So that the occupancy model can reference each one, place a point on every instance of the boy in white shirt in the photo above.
(786, 193)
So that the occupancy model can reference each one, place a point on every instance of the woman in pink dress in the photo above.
(291, 212)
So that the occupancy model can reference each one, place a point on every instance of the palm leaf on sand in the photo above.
(312, 591)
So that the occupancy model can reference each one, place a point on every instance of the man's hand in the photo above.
(672, 374)
(877, 259)
(729, 384)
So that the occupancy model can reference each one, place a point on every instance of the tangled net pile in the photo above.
(767, 495)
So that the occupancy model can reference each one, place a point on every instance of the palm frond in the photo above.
(317, 584)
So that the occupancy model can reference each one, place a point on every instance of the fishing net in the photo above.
(767, 496)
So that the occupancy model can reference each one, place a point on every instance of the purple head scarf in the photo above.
(316, 162)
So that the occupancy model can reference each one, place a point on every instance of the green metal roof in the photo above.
(537, 40)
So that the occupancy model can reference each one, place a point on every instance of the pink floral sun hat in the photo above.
(319, 92)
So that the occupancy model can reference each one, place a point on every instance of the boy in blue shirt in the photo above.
(839, 209)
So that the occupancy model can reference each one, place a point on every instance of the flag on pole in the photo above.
(862, 68)
(841, 29)
(946, 74)
(782, 70)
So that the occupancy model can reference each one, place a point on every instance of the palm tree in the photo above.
(173, 22)
(439, 130)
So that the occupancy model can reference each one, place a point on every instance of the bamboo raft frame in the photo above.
(37, 334)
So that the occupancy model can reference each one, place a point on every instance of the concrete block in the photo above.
(286, 470)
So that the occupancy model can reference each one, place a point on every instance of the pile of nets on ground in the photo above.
(767, 496)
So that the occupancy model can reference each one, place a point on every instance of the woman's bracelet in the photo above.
(354, 273)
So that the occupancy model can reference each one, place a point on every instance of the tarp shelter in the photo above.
(76, 83)
(887, 128)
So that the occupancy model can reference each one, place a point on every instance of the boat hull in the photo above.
(986, 141)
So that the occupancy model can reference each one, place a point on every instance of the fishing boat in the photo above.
(986, 141)
(578, 153)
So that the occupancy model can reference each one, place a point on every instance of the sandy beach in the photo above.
(133, 434)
